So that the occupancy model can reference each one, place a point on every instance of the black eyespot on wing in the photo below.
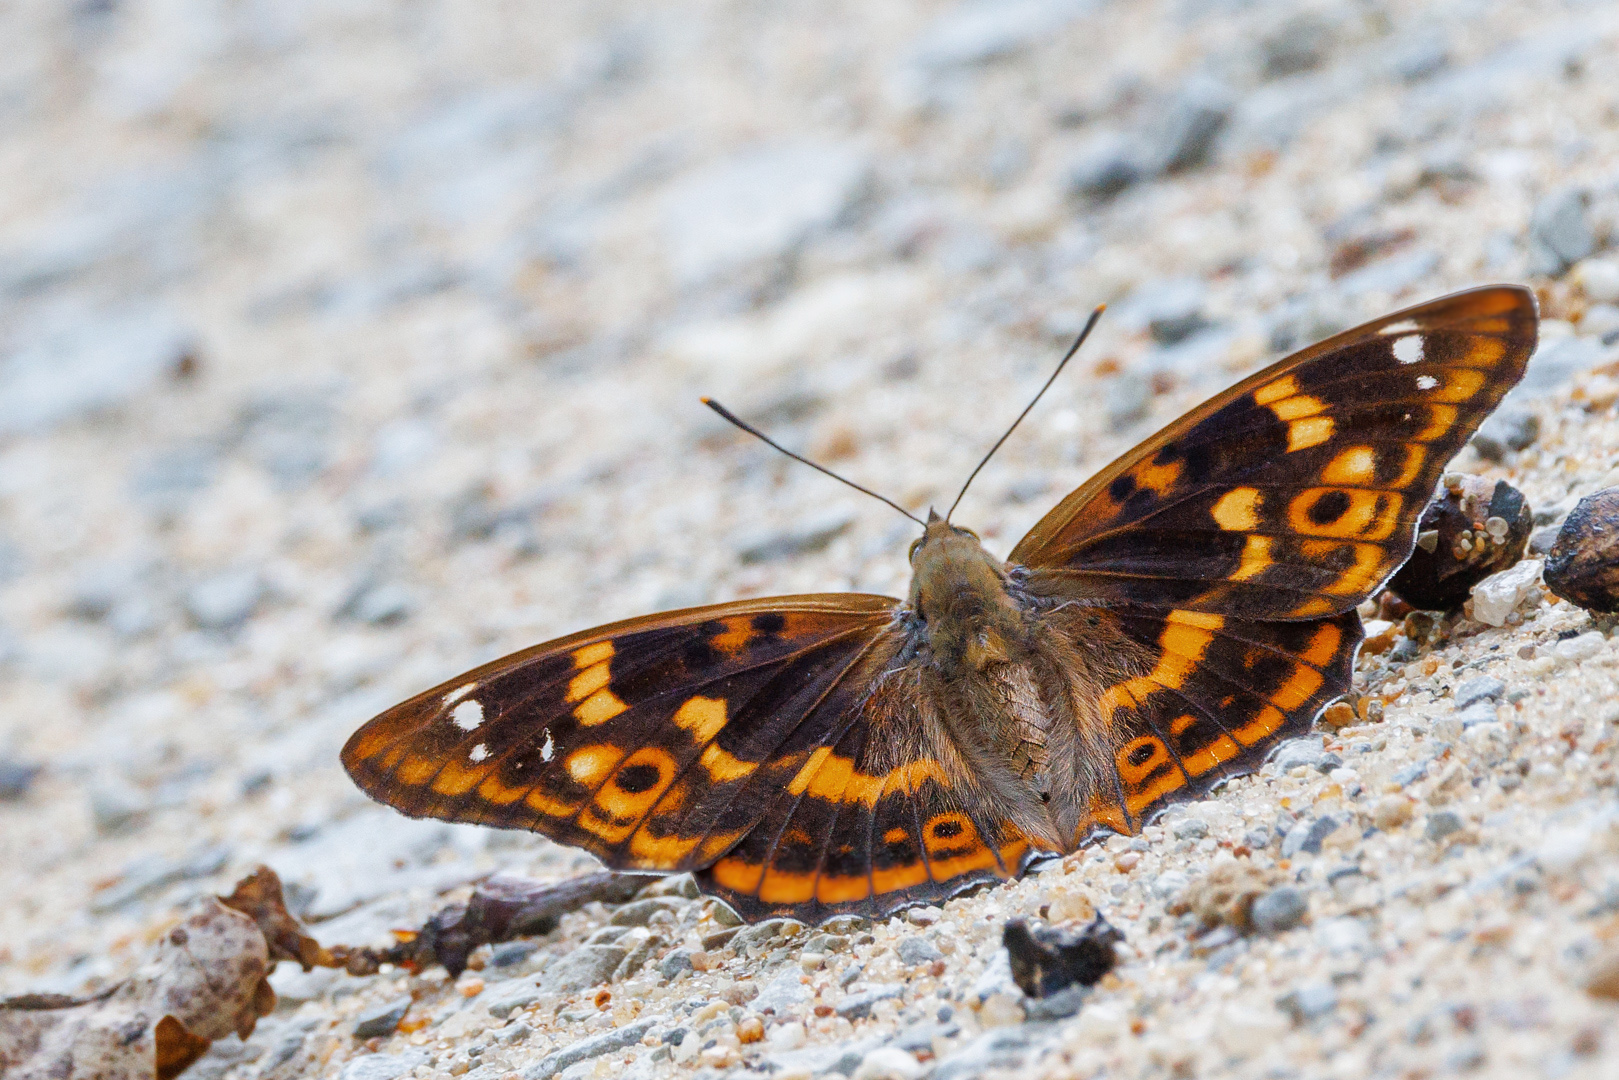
(1329, 507)
(638, 778)
(770, 622)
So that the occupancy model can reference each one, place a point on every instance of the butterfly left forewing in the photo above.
(641, 742)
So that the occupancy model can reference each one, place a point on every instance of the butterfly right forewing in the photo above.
(1232, 547)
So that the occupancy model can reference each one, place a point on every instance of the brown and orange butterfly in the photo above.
(1160, 630)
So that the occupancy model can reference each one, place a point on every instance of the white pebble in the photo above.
(1496, 596)
(1580, 648)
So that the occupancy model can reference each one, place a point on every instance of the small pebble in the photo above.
(1442, 823)
(381, 1019)
(1279, 910)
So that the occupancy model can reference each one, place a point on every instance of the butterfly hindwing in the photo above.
(1219, 696)
(1295, 493)
(872, 822)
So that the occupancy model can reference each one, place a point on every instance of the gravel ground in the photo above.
(344, 346)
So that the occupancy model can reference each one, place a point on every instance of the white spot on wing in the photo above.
(1426, 382)
(479, 752)
(467, 715)
(1404, 326)
(458, 693)
(1408, 349)
(549, 750)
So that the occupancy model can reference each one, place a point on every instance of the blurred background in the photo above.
(345, 345)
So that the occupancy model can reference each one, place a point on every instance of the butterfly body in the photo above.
(1162, 629)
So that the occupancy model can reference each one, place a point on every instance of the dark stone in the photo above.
(1515, 427)
(1442, 823)
(1583, 565)
(511, 953)
(16, 777)
(1471, 530)
(1047, 959)
(1278, 910)
(381, 1019)
(1560, 232)
(917, 950)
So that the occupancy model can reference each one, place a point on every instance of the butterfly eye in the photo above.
(967, 532)
(915, 544)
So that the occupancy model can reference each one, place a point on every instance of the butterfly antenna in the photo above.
(756, 433)
(1090, 324)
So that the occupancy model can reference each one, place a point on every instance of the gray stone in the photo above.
(1300, 43)
(640, 952)
(585, 1049)
(378, 603)
(1107, 165)
(1480, 712)
(918, 1038)
(381, 1066)
(1410, 774)
(507, 996)
(1480, 688)
(1307, 834)
(805, 539)
(1189, 128)
(821, 1061)
(607, 935)
(1190, 828)
(918, 950)
(763, 934)
(1059, 1006)
(980, 31)
(381, 1019)
(224, 601)
(781, 993)
(1560, 232)
(638, 912)
(16, 778)
(1421, 59)
(1169, 310)
(1542, 539)
(83, 362)
(1128, 397)
(1515, 427)
(855, 1006)
(1302, 751)
(719, 939)
(587, 965)
(1305, 1003)
(677, 961)
(511, 953)
(1279, 910)
(998, 1048)
(117, 806)
(1169, 884)
(757, 209)
(1442, 823)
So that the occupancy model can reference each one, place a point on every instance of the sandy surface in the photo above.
(348, 345)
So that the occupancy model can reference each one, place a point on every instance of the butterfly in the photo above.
(1161, 630)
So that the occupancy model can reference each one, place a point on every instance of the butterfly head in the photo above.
(958, 591)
